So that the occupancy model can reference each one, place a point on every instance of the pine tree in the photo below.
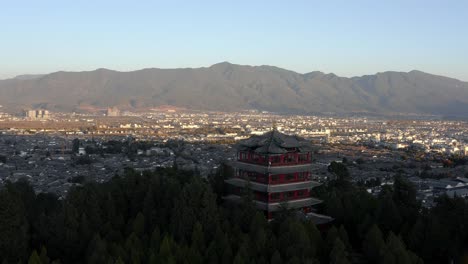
(165, 251)
(257, 232)
(416, 237)
(295, 260)
(276, 258)
(227, 255)
(397, 249)
(134, 247)
(155, 240)
(13, 226)
(315, 238)
(239, 259)
(119, 261)
(198, 238)
(34, 258)
(344, 237)
(334, 207)
(338, 255)
(388, 214)
(138, 225)
(332, 235)
(44, 258)
(149, 208)
(97, 250)
(75, 145)
(211, 255)
(374, 245)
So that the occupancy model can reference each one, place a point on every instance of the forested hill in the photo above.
(225, 86)
(171, 216)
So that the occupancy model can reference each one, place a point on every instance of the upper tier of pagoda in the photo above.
(275, 142)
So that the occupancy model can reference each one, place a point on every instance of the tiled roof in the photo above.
(274, 142)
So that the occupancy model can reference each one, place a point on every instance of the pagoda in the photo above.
(278, 170)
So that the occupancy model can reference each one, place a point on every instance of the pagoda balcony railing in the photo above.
(271, 181)
(271, 169)
(273, 164)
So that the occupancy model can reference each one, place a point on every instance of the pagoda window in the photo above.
(290, 177)
(252, 176)
(261, 196)
(300, 193)
(261, 178)
(290, 158)
(256, 157)
(301, 176)
(274, 178)
(243, 155)
(275, 159)
(303, 157)
(289, 195)
(275, 196)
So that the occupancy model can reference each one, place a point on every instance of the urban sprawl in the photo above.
(55, 151)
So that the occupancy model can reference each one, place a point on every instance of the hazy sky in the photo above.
(345, 37)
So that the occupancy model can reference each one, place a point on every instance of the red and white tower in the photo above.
(278, 169)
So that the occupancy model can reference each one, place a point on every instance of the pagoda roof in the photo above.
(274, 142)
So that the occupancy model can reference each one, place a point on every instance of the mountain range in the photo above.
(230, 87)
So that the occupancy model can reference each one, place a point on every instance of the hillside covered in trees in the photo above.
(173, 216)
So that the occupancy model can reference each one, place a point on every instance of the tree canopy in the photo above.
(174, 216)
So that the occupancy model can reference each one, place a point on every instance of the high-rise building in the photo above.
(31, 114)
(37, 114)
(113, 111)
(278, 170)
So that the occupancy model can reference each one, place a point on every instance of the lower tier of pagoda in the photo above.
(262, 187)
(278, 206)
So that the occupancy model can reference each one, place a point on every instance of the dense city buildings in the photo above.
(427, 151)
(428, 135)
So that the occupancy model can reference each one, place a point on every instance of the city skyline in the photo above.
(348, 39)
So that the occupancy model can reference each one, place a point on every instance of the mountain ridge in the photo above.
(230, 87)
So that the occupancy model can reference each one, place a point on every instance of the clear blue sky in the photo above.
(346, 37)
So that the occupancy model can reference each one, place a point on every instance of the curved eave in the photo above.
(274, 207)
(292, 204)
(319, 219)
(261, 187)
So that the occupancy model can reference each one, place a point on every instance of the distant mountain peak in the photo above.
(28, 76)
(222, 64)
(104, 70)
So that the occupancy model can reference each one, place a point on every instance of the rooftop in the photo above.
(275, 142)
